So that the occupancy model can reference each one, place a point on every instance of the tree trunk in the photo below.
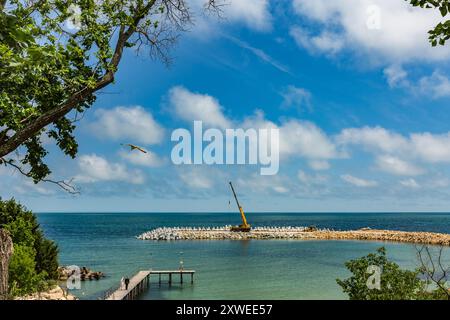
(6, 250)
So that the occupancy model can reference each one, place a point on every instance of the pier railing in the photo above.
(140, 283)
(108, 292)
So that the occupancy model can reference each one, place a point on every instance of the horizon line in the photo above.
(252, 212)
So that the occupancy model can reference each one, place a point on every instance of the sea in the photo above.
(248, 269)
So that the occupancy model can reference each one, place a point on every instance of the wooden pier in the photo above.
(138, 284)
(141, 281)
(170, 273)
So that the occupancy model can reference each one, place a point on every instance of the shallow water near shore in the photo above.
(253, 269)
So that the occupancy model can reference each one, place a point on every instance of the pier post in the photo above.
(181, 277)
(160, 279)
(192, 278)
(170, 279)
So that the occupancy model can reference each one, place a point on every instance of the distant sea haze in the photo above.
(256, 269)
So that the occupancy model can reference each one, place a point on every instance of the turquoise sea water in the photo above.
(254, 269)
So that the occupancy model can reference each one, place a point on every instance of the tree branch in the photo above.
(176, 13)
(65, 185)
(54, 114)
(431, 273)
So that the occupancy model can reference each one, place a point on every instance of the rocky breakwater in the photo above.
(224, 233)
(425, 238)
(295, 233)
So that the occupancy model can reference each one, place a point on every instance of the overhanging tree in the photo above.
(441, 32)
(55, 57)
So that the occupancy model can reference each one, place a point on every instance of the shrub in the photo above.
(35, 258)
(47, 258)
(395, 283)
(23, 277)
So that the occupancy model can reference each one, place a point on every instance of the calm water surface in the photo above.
(264, 269)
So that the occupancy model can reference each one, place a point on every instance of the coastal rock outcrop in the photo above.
(85, 273)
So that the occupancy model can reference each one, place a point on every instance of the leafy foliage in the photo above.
(55, 55)
(46, 257)
(441, 32)
(395, 283)
(23, 277)
(35, 258)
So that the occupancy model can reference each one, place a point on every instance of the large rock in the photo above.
(6, 250)
(85, 273)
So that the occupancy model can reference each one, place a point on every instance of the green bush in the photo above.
(21, 231)
(23, 277)
(47, 258)
(35, 258)
(395, 283)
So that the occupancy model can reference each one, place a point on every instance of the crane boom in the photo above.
(245, 227)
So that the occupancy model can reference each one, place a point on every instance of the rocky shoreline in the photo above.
(85, 273)
(56, 293)
(295, 233)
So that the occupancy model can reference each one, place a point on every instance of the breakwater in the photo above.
(295, 233)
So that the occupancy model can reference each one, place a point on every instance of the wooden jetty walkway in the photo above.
(141, 281)
(172, 272)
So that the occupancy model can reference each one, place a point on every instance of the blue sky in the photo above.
(359, 96)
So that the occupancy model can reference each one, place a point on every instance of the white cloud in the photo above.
(309, 179)
(432, 148)
(400, 32)
(371, 138)
(410, 183)
(149, 159)
(436, 85)
(395, 153)
(127, 123)
(319, 164)
(397, 166)
(297, 138)
(326, 42)
(298, 98)
(358, 181)
(258, 121)
(280, 189)
(28, 187)
(196, 178)
(190, 106)
(391, 147)
(94, 168)
(267, 184)
(396, 76)
(305, 139)
(253, 14)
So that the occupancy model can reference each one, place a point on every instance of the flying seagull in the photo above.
(134, 147)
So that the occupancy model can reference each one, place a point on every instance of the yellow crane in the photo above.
(244, 227)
